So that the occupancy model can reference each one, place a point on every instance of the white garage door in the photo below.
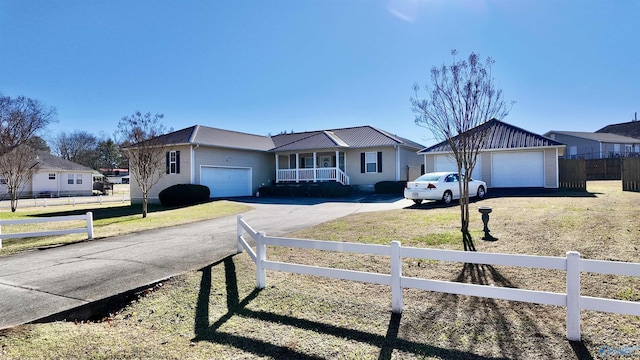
(517, 169)
(225, 182)
(448, 163)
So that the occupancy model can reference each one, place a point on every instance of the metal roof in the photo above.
(601, 137)
(354, 137)
(208, 136)
(501, 135)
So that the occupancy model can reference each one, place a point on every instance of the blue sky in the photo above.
(269, 66)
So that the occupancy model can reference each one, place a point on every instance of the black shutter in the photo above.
(362, 163)
(379, 161)
(177, 162)
(167, 162)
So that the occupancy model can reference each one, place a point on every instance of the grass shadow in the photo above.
(100, 213)
(506, 321)
(537, 192)
(207, 331)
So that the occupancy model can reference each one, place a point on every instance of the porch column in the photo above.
(315, 167)
(277, 169)
(297, 167)
(397, 148)
(338, 166)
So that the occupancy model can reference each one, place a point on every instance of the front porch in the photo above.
(316, 167)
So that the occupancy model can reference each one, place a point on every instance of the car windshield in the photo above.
(429, 177)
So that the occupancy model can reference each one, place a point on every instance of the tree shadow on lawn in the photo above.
(100, 213)
(206, 331)
(504, 193)
(513, 328)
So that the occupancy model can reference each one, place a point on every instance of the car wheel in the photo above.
(481, 192)
(447, 197)
(417, 201)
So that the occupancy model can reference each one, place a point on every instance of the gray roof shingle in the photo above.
(501, 135)
(630, 129)
(602, 137)
(46, 161)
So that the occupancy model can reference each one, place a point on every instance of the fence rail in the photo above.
(572, 264)
(88, 229)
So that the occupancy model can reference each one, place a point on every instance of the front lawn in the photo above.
(216, 312)
(110, 219)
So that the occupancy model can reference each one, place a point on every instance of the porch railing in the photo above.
(312, 174)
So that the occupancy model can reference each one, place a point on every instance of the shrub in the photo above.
(390, 187)
(184, 194)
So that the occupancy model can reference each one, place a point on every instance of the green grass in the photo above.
(110, 219)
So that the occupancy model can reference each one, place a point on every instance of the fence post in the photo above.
(89, 225)
(0, 237)
(239, 232)
(396, 277)
(261, 250)
(573, 296)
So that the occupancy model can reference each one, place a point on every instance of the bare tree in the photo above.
(16, 169)
(460, 98)
(145, 147)
(20, 119)
(78, 146)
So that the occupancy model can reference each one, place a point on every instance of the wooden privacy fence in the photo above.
(603, 169)
(88, 229)
(572, 174)
(572, 264)
(631, 174)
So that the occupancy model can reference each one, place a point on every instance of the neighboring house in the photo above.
(56, 177)
(587, 145)
(630, 129)
(232, 163)
(509, 158)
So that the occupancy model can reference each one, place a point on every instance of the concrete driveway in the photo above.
(41, 283)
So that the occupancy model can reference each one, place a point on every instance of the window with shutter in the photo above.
(173, 162)
(371, 162)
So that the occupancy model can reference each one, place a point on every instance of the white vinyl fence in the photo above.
(88, 229)
(572, 264)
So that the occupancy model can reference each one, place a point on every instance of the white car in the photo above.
(441, 186)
